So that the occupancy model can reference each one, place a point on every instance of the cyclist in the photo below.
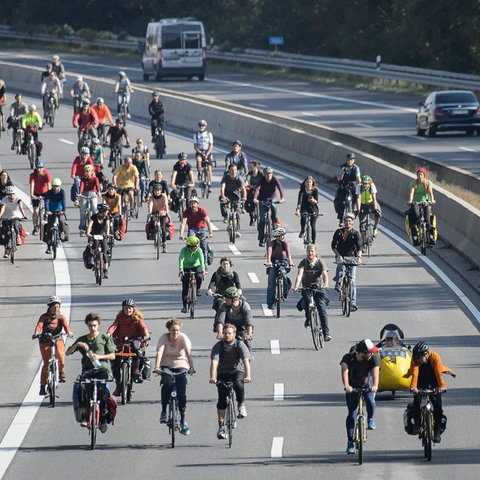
(56, 203)
(143, 149)
(236, 311)
(99, 224)
(54, 322)
(103, 114)
(348, 176)
(265, 190)
(85, 119)
(90, 188)
(129, 324)
(46, 72)
(32, 122)
(79, 93)
(140, 162)
(3, 100)
(114, 137)
(51, 85)
(191, 260)
(237, 157)
(367, 203)
(126, 178)
(203, 146)
(223, 278)
(198, 223)
(40, 182)
(158, 179)
(99, 347)
(232, 189)
(96, 154)
(278, 257)
(229, 362)
(114, 202)
(253, 177)
(122, 89)
(421, 190)
(427, 371)
(346, 242)
(5, 181)
(360, 368)
(313, 272)
(58, 68)
(11, 209)
(307, 202)
(182, 174)
(156, 111)
(17, 110)
(78, 171)
(174, 351)
(158, 203)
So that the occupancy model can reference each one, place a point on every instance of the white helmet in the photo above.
(278, 232)
(54, 299)
(10, 189)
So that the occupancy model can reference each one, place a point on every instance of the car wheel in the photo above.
(420, 131)
(430, 131)
(469, 132)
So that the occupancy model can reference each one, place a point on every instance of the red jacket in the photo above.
(85, 120)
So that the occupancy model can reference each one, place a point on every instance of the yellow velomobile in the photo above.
(395, 358)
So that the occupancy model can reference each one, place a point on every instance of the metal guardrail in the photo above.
(279, 59)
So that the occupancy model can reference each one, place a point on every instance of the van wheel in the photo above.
(146, 77)
(201, 77)
(158, 77)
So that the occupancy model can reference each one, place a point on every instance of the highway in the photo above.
(295, 404)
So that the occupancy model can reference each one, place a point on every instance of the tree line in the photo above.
(440, 34)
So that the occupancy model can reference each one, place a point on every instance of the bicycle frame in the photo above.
(192, 294)
(233, 225)
(308, 232)
(422, 226)
(173, 414)
(126, 354)
(346, 286)
(360, 432)
(366, 233)
(268, 227)
(313, 316)
(427, 423)
(98, 258)
(230, 421)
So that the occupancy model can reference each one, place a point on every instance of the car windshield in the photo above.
(456, 97)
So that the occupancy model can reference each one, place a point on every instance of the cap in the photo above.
(422, 170)
(193, 199)
(366, 346)
(349, 215)
(39, 164)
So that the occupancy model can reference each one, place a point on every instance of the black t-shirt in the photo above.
(358, 371)
(182, 173)
(347, 244)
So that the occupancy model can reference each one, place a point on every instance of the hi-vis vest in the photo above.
(366, 196)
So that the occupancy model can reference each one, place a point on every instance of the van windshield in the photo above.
(181, 36)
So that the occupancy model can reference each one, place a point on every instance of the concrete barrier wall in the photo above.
(302, 144)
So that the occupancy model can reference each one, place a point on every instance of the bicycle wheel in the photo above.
(308, 232)
(427, 436)
(31, 154)
(98, 268)
(360, 438)
(173, 420)
(348, 297)
(423, 239)
(124, 382)
(369, 235)
(279, 293)
(54, 243)
(191, 300)
(93, 425)
(157, 241)
(159, 146)
(317, 334)
(52, 382)
(230, 421)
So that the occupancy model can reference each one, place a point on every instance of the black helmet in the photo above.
(102, 208)
(128, 302)
(111, 185)
(420, 349)
(182, 156)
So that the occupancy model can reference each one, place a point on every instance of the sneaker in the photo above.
(371, 424)
(242, 411)
(129, 116)
(261, 244)
(307, 323)
(350, 448)
(238, 234)
(6, 253)
(184, 310)
(199, 293)
(375, 232)
(42, 390)
(338, 287)
(221, 433)
(48, 251)
(199, 176)
(225, 220)
(184, 429)
(12, 147)
(164, 248)
(84, 423)
(63, 377)
(103, 427)
(354, 308)
(327, 337)
(209, 189)
(270, 307)
(34, 231)
(437, 437)
(105, 274)
(300, 235)
(163, 417)
(82, 233)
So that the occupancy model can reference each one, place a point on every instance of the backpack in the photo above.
(112, 407)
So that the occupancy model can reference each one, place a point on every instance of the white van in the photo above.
(175, 47)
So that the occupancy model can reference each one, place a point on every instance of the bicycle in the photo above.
(159, 140)
(18, 139)
(174, 423)
(41, 214)
(308, 231)
(233, 225)
(191, 293)
(115, 156)
(10, 238)
(50, 109)
(93, 412)
(279, 291)
(182, 201)
(422, 226)
(158, 235)
(360, 432)
(427, 423)
(230, 421)
(97, 251)
(123, 111)
(88, 211)
(128, 349)
(346, 285)
(313, 317)
(84, 139)
(268, 227)
(366, 233)
(53, 373)
(32, 152)
(204, 178)
(126, 209)
(54, 235)
(349, 202)
(137, 200)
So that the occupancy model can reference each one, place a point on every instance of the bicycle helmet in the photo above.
(128, 302)
(231, 292)
(79, 79)
(53, 299)
(366, 179)
(88, 168)
(102, 208)
(86, 102)
(56, 182)
(182, 156)
(49, 65)
(32, 108)
(422, 170)
(96, 141)
(193, 241)
(10, 190)
(155, 94)
(237, 142)
(157, 186)
(100, 100)
(420, 349)
(349, 215)
(39, 164)
(202, 123)
(119, 121)
(85, 150)
(351, 156)
(111, 185)
(278, 232)
(121, 73)
(268, 170)
(193, 199)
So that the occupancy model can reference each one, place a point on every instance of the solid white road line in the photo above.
(253, 277)
(266, 311)
(234, 250)
(277, 447)
(364, 125)
(275, 347)
(278, 392)
(259, 105)
(68, 142)
(466, 149)
(214, 227)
